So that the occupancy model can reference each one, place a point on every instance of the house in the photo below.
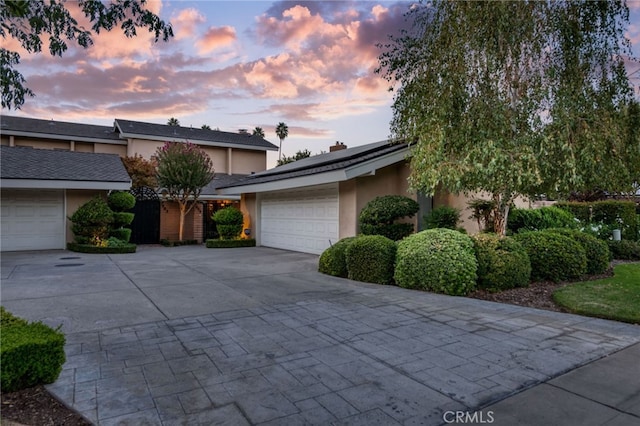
(234, 155)
(310, 204)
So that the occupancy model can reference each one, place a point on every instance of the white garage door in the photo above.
(32, 220)
(304, 220)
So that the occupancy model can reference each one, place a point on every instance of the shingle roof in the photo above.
(14, 125)
(195, 135)
(221, 180)
(322, 163)
(46, 164)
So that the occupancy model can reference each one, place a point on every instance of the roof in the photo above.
(219, 181)
(164, 132)
(50, 129)
(23, 167)
(324, 168)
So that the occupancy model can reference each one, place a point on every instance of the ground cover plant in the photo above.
(616, 298)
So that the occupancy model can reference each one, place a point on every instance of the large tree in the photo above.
(29, 21)
(282, 131)
(512, 98)
(183, 170)
(305, 153)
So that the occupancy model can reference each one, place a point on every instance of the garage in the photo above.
(304, 220)
(32, 219)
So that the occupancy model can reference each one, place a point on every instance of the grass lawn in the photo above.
(616, 298)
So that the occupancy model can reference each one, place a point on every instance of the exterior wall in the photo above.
(245, 161)
(348, 213)
(74, 199)
(170, 222)
(86, 147)
(249, 207)
(42, 143)
(104, 148)
(142, 147)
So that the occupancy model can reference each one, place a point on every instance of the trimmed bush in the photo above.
(121, 201)
(625, 250)
(370, 259)
(169, 243)
(122, 218)
(442, 217)
(92, 220)
(213, 243)
(30, 353)
(597, 251)
(503, 263)
(539, 219)
(553, 256)
(378, 217)
(620, 214)
(229, 222)
(121, 234)
(333, 260)
(92, 249)
(437, 260)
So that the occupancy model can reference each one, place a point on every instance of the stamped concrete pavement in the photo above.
(188, 335)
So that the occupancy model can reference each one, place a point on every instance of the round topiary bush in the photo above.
(442, 217)
(122, 234)
(333, 260)
(503, 263)
(122, 218)
(229, 222)
(553, 256)
(379, 215)
(92, 221)
(121, 201)
(370, 259)
(438, 260)
(597, 251)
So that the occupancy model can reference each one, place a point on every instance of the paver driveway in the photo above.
(190, 335)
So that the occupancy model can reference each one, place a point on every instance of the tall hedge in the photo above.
(613, 212)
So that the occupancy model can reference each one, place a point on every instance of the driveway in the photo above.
(189, 335)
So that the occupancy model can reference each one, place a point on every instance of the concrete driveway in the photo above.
(189, 335)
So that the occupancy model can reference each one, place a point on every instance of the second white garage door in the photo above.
(32, 219)
(303, 220)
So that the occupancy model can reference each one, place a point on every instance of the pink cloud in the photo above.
(184, 25)
(215, 38)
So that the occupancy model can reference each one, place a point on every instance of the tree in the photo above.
(299, 156)
(511, 98)
(183, 170)
(282, 131)
(29, 21)
(142, 172)
(173, 122)
(258, 131)
(205, 127)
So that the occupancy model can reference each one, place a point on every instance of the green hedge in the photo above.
(438, 260)
(370, 259)
(553, 256)
(333, 260)
(122, 218)
(30, 353)
(88, 248)
(170, 243)
(597, 251)
(214, 243)
(379, 216)
(539, 219)
(622, 214)
(503, 263)
(625, 250)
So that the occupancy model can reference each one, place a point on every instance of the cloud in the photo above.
(215, 38)
(185, 24)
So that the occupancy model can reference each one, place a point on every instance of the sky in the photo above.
(239, 65)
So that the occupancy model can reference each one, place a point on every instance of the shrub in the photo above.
(379, 215)
(625, 250)
(539, 219)
(442, 217)
(370, 259)
(438, 260)
(333, 260)
(503, 263)
(170, 243)
(121, 201)
(553, 256)
(120, 248)
(597, 251)
(122, 218)
(123, 234)
(229, 222)
(618, 214)
(92, 220)
(212, 243)
(30, 353)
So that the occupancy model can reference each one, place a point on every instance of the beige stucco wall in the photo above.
(249, 207)
(74, 199)
(104, 148)
(245, 161)
(41, 143)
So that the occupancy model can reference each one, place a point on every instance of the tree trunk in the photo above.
(183, 207)
(501, 213)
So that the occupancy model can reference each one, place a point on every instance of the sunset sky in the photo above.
(235, 65)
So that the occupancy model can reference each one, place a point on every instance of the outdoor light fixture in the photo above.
(247, 231)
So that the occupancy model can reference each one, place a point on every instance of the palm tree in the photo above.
(282, 131)
(258, 131)
(205, 127)
(173, 122)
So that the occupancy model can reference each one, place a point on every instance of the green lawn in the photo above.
(616, 298)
